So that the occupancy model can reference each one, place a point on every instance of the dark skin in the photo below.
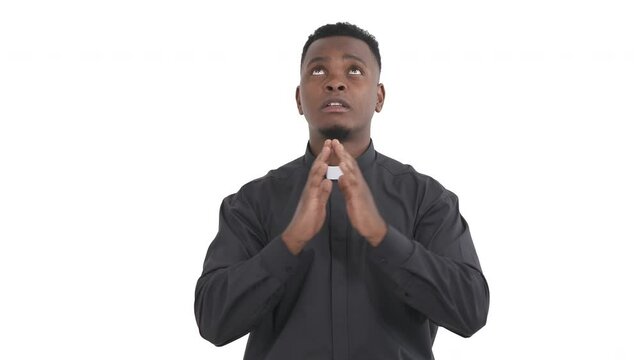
(339, 86)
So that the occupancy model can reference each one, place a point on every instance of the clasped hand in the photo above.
(311, 211)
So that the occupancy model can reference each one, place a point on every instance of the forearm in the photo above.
(230, 300)
(449, 292)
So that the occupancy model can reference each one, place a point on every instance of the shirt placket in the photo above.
(338, 239)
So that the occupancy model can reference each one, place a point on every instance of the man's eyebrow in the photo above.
(353, 57)
(324, 58)
(317, 59)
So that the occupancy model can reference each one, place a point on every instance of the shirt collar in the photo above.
(365, 159)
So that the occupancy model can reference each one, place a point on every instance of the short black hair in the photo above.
(343, 29)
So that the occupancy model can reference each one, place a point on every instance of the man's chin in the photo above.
(337, 132)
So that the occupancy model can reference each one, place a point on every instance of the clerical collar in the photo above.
(365, 159)
(333, 172)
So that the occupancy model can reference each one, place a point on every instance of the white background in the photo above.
(125, 123)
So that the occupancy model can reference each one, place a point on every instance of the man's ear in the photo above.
(298, 102)
(380, 97)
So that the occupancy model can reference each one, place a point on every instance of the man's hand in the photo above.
(361, 208)
(311, 211)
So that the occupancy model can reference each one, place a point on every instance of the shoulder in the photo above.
(405, 176)
(274, 181)
(405, 172)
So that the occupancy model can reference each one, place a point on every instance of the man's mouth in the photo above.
(335, 106)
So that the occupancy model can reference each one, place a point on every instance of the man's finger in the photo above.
(338, 148)
(343, 154)
(346, 167)
(346, 181)
(347, 163)
(343, 186)
(323, 156)
(351, 174)
(325, 190)
(319, 166)
(317, 173)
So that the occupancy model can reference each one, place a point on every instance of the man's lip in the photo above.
(331, 106)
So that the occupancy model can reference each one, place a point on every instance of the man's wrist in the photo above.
(377, 236)
(293, 243)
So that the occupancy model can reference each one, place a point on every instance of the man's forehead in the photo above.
(340, 46)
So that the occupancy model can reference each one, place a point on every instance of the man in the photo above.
(363, 267)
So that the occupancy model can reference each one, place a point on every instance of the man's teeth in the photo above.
(335, 104)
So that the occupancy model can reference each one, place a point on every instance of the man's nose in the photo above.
(335, 84)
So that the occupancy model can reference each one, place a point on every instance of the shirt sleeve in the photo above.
(437, 272)
(242, 277)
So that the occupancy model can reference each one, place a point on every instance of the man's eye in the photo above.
(355, 71)
(317, 72)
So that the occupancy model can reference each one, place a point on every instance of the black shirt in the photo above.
(341, 298)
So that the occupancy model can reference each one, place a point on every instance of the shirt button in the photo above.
(383, 260)
(288, 268)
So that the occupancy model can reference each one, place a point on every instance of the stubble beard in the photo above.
(337, 132)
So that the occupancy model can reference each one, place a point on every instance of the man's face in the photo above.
(339, 85)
